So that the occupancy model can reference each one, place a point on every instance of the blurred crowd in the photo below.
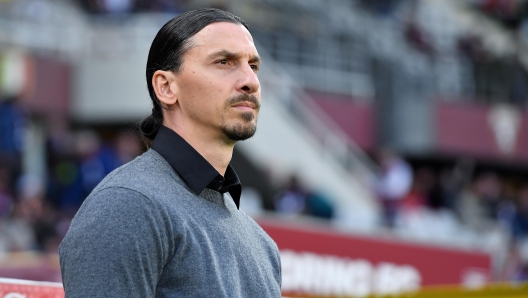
(35, 211)
(477, 200)
(436, 200)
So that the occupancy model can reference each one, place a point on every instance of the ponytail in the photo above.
(150, 126)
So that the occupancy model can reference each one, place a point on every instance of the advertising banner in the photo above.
(325, 262)
(15, 288)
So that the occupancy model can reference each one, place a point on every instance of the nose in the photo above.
(248, 82)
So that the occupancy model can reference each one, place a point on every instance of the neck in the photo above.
(215, 149)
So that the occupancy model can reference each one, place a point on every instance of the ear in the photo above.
(165, 87)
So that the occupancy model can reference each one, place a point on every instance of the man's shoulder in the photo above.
(141, 174)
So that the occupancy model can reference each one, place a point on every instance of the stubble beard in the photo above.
(245, 130)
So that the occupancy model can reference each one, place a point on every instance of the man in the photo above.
(167, 224)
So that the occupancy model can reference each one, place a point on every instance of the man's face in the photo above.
(218, 88)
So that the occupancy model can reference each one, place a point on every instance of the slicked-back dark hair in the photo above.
(167, 50)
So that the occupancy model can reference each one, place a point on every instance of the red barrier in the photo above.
(320, 261)
(16, 288)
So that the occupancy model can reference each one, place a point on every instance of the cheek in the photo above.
(208, 89)
(195, 92)
(206, 92)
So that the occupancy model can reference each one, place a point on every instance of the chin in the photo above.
(240, 132)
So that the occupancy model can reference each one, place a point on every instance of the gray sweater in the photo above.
(144, 233)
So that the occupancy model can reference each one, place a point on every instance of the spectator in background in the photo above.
(18, 227)
(392, 185)
(507, 207)
(96, 160)
(421, 193)
(16, 232)
(478, 205)
(37, 212)
(295, 199)
(75, 174)
(127, 147)
(520, 221)
(78, 161)
(12, 122)
(319, 205)
(515, 268)
(61, 162)
(292, 199)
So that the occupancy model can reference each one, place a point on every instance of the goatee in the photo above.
(242, 131)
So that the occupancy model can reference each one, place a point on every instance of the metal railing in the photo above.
(334, 143)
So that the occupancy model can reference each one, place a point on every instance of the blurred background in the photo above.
(392, 145)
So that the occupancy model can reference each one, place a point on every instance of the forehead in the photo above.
(224, 36)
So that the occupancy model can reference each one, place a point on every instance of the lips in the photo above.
(245, 104)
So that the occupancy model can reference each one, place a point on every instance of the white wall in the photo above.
(111, 89)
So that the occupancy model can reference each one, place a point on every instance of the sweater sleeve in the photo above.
(116, 246)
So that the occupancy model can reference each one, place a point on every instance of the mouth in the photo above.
(245, 105)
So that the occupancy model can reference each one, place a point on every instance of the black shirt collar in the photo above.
(193, 168)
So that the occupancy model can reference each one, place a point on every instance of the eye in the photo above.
(222, 62)
(255, 67)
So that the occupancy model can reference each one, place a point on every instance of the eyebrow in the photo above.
(230, 55)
